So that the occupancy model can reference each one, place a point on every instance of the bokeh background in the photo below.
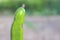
(42, 19)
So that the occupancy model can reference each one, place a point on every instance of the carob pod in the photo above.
(17, 26)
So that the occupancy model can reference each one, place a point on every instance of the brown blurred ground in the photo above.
(46, 28)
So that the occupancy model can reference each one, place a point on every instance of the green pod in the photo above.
(17, 26)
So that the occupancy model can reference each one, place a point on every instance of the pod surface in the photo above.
(17, 26)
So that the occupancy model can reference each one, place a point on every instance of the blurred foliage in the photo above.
(53, 5)
(42, 7)
(35, 4)
(32, 4)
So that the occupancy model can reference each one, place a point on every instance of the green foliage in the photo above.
(9, 3)
(35, 4)
(54, 5)
(30, 4)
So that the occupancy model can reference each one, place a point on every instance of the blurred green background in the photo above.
(42, 20)
(33, 7)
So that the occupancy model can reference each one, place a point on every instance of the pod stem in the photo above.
(23, 5)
